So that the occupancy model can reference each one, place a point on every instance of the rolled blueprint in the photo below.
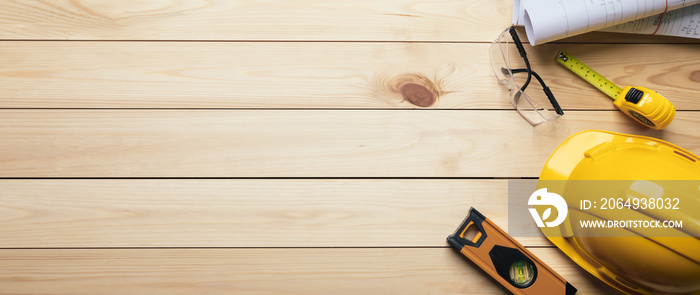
(549, 20)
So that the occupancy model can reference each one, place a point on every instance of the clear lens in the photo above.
(510, 69)
(500, 59)
(529, 109)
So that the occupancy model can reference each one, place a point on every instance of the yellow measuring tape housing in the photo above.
(645, 106)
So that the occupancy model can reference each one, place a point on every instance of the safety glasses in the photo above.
(512, 68)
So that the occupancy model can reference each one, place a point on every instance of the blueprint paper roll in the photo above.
(549, 20)
(683, 22)
(518, 13)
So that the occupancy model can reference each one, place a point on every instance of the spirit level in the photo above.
(645, 106)
(504, 259)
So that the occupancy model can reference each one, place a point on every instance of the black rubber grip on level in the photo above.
(458, 242)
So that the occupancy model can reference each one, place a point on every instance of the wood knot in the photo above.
(695, 76)
(415, 89)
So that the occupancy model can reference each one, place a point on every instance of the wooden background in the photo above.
(257, 147)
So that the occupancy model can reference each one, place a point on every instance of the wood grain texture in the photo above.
(298, 143)
(318, 75)
(404, 20)
(261, 271)
(244, 213)
(243, 103)
(281, 20)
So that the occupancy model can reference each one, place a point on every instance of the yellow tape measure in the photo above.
(641, 104)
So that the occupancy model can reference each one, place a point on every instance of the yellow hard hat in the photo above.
(636, 262)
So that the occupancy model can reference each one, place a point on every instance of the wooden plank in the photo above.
(625, 66)
(261, 271)
(598, 37)
(244, 213)
(317, 75)
(297, 143)
(362, 20)
(337, 20)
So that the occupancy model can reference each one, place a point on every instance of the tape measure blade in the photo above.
(588, 74)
